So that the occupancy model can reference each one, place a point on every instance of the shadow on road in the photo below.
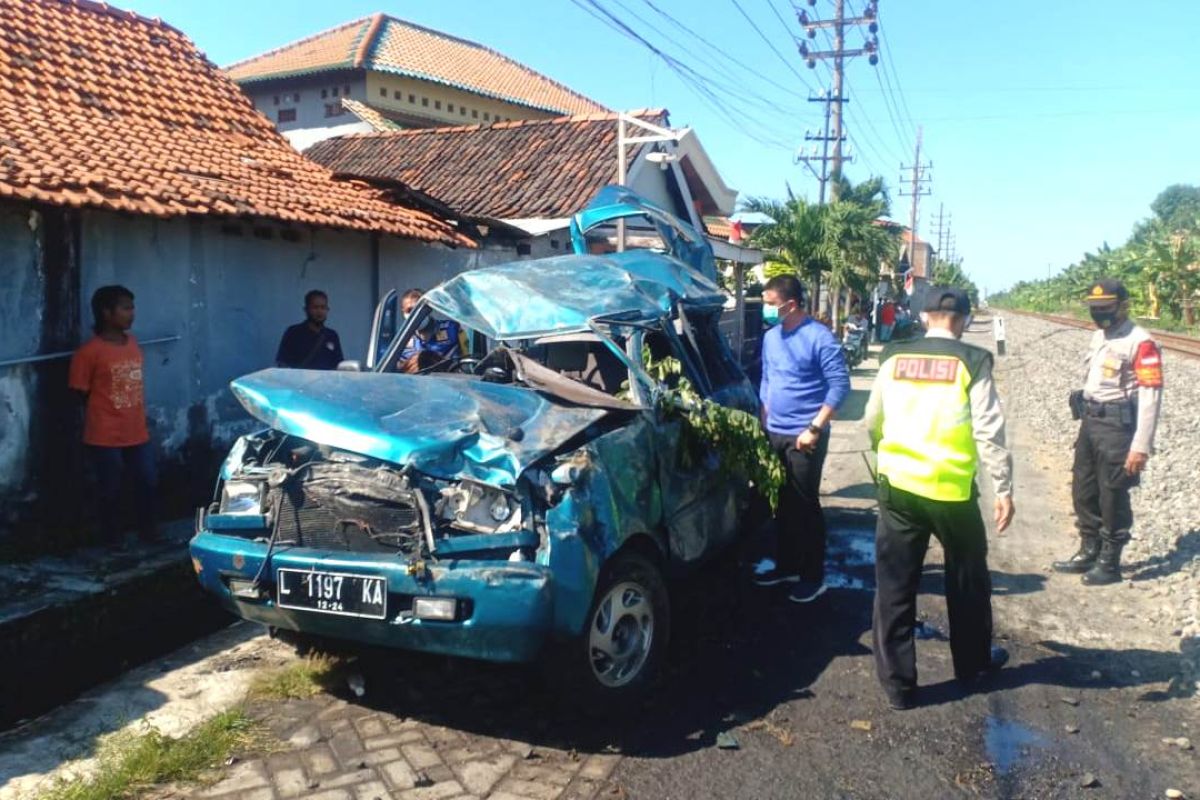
(1161, 566)
(1072, 667)
(737, 653)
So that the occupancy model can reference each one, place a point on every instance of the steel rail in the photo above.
(1173, 342)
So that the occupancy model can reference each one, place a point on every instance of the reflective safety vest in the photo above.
(927, 445)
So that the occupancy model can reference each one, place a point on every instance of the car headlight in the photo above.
(241, 497)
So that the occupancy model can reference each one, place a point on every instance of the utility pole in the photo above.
(943, 229)
(919, 187)
(839, 54)
(820, 153)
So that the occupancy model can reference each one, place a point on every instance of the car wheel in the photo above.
(616, 659)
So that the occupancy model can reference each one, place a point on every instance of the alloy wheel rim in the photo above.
(621, 634)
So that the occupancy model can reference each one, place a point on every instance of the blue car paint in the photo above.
(612, 203)
(563, 294)
(451, 428)
(441, 425)
(512, 603)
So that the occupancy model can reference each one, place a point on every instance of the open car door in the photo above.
(384, 327)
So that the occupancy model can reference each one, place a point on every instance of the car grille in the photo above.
(325, 510)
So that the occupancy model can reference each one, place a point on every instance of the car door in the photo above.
(384, 327)
(700, 504)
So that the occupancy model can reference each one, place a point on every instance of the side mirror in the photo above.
(350, 365)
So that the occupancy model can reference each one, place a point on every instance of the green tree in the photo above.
(1178, 206)
(841, 242)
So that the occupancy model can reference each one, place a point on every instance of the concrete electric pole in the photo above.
(919, 187)
(835, 128)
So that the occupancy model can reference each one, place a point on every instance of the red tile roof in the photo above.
(385, 44)
(103, 108)
(509, 170)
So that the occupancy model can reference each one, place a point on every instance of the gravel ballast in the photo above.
(1043, 365)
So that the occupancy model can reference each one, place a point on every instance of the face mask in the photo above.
(770, 314)
(1104, 319)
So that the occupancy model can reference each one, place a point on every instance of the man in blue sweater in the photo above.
(804, 381)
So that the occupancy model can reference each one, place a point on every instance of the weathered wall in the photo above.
(23, 283)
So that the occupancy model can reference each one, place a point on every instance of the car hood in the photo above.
(444, 426)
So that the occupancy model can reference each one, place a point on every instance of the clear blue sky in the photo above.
(1051, 125)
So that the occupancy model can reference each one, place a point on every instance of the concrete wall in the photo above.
(441, 105)
(303, 96)
(23, 283)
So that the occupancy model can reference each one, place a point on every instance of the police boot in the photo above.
(1107, 568)
(1084, 558)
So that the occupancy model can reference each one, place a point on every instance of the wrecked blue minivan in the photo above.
(525, 491)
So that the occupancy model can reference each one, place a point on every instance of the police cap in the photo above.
(1106, 291)
(947, 298)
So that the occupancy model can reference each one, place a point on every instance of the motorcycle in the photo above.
(854, 345)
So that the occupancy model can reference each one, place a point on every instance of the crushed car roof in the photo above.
(523, 299)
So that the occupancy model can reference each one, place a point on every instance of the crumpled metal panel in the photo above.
(616, 497)
(524, 299)
(616, 202)
(443, 426)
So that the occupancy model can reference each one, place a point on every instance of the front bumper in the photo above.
(509, 606)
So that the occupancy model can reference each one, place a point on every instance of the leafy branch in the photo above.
(713, 431)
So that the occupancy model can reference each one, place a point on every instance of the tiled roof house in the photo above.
(532, 173)
(102, 108)
(412, 75)
(128, 157)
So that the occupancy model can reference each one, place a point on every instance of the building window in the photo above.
(425, 101)
(324, 94)
(276, 99)
(397, 94)
(346, 90)
(383, 91)
(286, 115)
(462, 110)
(486, 116)
(335, 91)
(296, 97)
(437, 104)
(450, 107)
(412, 98)
(475, 113)
(334, 110)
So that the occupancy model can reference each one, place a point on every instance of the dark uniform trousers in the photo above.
(901, 539)
(801, 524)
(1099, 485)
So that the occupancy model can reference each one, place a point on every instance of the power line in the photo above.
(717, 49)
(737, 4)
(701, 84)
(887, 54)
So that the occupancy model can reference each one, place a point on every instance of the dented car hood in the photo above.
(444, 426)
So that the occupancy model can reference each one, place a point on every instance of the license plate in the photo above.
(332, 593)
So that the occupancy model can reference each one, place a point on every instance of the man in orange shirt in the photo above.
(107, 370)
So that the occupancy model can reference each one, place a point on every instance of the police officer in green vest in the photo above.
(933, 415)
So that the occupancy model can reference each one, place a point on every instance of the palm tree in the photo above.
(841, 240)
(796, 238)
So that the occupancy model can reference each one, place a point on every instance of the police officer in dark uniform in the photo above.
(1118, 408)
(933, 416)
(435, 343)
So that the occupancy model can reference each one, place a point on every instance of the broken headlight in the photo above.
(478, 508)
(242, 497)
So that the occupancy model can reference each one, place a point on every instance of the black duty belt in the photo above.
(1113, 409)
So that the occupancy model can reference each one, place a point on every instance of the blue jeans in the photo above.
(110, 465)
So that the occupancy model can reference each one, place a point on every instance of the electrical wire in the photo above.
(720, 51)
(701, 84)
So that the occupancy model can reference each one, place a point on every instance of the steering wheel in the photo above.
(466, 365)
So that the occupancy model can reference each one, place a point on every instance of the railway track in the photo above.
(1172, 342)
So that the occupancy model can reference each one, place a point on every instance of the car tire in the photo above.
(616, 659)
